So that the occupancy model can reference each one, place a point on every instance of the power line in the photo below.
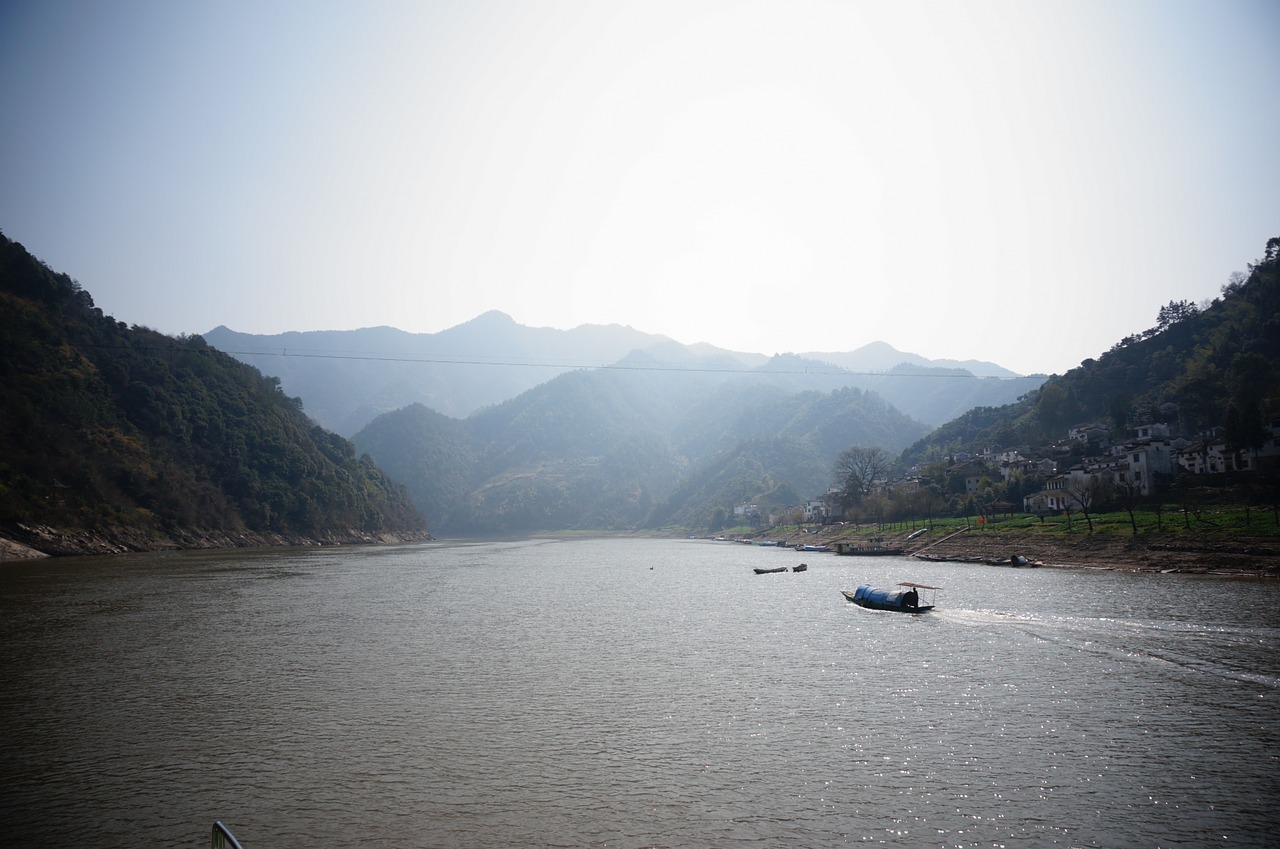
(835, 371)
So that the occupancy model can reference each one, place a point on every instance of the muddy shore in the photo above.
(1236, 555)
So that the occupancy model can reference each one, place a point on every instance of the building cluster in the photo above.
(1135, 465)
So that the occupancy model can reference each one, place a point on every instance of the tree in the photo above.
(1087, 491)
(1128, 495)
(1245, 431)
(719, 519)
(1057, 407)
(1174, 312)
(1235, 283)
(931, 502)
(857, 470)
(1120, 412)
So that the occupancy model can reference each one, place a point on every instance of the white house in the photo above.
(1146, 457)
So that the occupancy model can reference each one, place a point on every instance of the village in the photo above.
(1101, 470)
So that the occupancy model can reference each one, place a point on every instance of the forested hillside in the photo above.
(637, 447)
(1198, 367)
(140, 440)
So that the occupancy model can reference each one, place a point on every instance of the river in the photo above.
(629, 693)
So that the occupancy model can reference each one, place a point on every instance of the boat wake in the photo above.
(1235, 653)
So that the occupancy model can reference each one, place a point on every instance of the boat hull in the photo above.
(874, 599)
(870, 552)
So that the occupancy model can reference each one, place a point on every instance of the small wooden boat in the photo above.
(905, 600)
(1017, 561)
(769, 571)
(803, 567)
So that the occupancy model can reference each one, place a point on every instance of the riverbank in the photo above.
(1207, 552)
(1234, 553)
(29, 542)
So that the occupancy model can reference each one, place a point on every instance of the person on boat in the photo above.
(911, 598)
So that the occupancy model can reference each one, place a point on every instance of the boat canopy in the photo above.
(917, 586)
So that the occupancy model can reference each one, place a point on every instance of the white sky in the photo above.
(1021, 182)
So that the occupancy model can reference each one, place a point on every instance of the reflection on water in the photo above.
(629, 693)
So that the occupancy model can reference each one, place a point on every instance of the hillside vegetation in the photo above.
(132, 439)
(1197, 368)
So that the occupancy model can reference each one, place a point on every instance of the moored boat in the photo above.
(759, 571)
(866, 548)
(1016, 561)
(905, 600)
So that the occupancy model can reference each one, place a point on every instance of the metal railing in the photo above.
(223, 838)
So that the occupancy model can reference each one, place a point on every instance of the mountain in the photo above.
(346, 378)
(648, 444)
(881, 356)
(122, 438)
(1197, 369)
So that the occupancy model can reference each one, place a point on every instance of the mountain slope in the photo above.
(624, 448)
(1196, 369)
(152, 439)
(346, 378)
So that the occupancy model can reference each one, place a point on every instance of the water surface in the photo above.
(630, 693)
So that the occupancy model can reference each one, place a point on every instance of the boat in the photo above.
(803, 567)
(1016, 561)
(869, 548)
(223, 838)
(759, 571)
(812, 548)
(906, 600)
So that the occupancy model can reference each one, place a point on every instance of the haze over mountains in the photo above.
(138, 439)
(347, 378)
(494, 427)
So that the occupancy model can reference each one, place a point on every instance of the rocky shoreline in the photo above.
(28, 542)
(1117, 554)
(1256, 556)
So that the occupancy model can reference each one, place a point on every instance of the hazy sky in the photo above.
(1022, 182)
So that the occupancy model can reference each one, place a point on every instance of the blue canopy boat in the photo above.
(905, 600)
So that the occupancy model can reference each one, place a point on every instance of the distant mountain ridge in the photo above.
(348, 377)
(881, 356)
(626, 448)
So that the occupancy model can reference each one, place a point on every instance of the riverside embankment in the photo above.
(1240, 553)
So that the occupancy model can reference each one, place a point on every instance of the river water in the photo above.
(629, 693)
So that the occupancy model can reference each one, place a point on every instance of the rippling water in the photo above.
(629, 693)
